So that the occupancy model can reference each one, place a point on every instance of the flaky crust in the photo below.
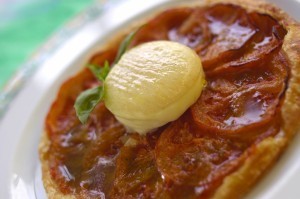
(49, 184)
(265, 154)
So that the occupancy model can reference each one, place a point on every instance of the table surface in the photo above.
(26, 24)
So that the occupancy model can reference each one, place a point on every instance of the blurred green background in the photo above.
(26, 24)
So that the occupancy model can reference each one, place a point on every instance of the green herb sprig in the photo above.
(88, 99)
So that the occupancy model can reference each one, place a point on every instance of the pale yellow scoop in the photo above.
(153, 84)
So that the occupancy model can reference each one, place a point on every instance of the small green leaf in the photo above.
(124, 45)
(87, 101)
(100, 72)
(105, 70)
(94, 69)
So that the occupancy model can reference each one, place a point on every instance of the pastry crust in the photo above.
(265, 154)
(50, 186)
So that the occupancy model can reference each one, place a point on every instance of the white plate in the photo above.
(22, 124)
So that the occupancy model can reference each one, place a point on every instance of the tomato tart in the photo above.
(221, 146)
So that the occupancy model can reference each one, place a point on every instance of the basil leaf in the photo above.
(124, 45)
(87, 101)
(100, 73)
(105, 70)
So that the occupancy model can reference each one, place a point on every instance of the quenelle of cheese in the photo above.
(153, 84)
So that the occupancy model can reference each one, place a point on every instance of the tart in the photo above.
(221, 146)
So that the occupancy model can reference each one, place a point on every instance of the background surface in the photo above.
(26, 24)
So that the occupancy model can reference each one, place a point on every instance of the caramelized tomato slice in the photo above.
(241, 101)
(227, 37)
(158, 28)
(216, 33)
(186, 155)
(136, 173)
(259, 48)
(90, 150)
